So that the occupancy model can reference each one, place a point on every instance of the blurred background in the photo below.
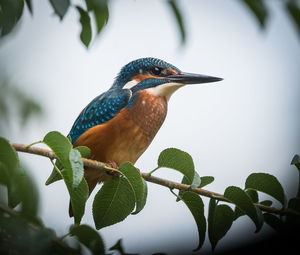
(247, 123)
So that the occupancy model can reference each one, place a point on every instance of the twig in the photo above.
(153, 179)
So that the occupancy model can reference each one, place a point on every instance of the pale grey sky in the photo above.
(247, 123)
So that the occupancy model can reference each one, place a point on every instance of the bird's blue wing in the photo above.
(100, 110)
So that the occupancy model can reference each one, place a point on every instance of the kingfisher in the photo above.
(119, 125)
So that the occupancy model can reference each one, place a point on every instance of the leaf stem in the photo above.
(29, 145)
(151, 172)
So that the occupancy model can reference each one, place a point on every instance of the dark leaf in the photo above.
(89, 237)
(113, 202)
(266, 183)
(220, 218)
(195, 183)
(294, 204)
(273, 221)
(179, 19)
(266, 202)
(10, 13)
(119, 247)
(60, 7)
(254, 197)
(8, 155)
(196, 207)
(296, 161)
(242, 200)
(101, 12)
(294, 12)
(29, 6)
(86, 29)
(258, 9)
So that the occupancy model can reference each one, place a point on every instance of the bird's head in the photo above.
(157, 76)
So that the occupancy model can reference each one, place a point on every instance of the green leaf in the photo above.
(254, 197)
(273, 221)
(8, 155)
(195, 184)
(258, 9)
(77, 167)
(61, 146)
(196, 207)
(293, 10)
(11, 12)
(101, 12)
(29, 6)
(294, 204)
(136, 182)
(178, 16)
(89, 237)
(220, 218)
(86, 28)
(296, 161)
(55, 175)
(113, 202)
(266, 202)
(119, 247)
(84, 151)
(78, 198)
(266, 183)
(178, 160)
(242, 200)
(205, 180)
(60, 7)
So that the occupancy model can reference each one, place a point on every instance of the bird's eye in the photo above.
(156, 70)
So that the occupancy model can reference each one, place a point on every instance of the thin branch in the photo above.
(153, 179)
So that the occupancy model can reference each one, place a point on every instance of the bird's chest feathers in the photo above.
(148, 113)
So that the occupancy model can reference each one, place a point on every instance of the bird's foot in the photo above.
(112, 172)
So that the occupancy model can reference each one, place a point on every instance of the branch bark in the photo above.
(163, 182)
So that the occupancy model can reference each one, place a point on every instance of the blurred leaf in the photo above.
(20, 237)
(29, 6)
(136, 182)
(8, 155)
(178, 16)
(89, 237)
(205, 180)
(77, 167)
(119, 247)
(294, 204)
(296, 161)
(294, 12)
(266, 183)
(242, 200)
(10, 13)
(196, 207)
(113, 202)
(273, 221)
(258, 9)
(86, 29)
(220, 218)
(178, 160)
(60, 7)
(100, 10)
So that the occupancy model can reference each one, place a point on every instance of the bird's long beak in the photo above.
(191, 78)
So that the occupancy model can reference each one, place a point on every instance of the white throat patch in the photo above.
(166, 89)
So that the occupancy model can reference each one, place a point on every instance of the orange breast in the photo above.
(129, 133)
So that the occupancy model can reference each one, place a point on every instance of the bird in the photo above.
(119, 124)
